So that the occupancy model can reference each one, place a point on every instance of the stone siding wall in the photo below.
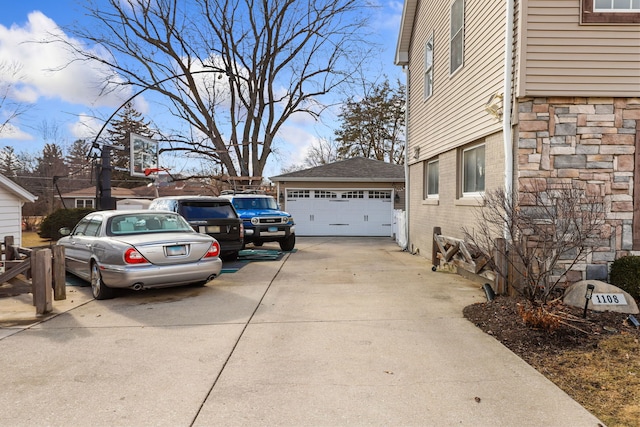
(588, 143)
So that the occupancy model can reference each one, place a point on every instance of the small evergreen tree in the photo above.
(80, 167)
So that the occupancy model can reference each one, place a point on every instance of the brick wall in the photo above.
(588, 143)
(448, 211)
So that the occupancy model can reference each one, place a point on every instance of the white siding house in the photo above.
(12, 197)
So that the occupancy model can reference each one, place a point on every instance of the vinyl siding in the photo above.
(10, 216)
(454, 115)
(560, 57)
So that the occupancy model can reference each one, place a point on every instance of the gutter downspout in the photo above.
(407, 193)
(506, 104)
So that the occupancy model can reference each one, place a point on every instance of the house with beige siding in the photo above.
(506, 93)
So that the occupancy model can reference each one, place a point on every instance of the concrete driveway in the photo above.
(343, 332)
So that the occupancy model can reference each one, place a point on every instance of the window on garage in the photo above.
(298, 194)
(323, 194)
(353, 194)
(375, 194)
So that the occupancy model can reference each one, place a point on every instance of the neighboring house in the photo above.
(138, 197)
(568, 83)
(353, 197)
(12, 197)
(86, 197)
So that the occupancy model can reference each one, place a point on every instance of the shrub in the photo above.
(625, 274)
(61, 218)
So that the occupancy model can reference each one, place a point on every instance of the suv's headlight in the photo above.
(255, 220)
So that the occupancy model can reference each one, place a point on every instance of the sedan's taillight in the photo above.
(131, 256)
(214, 250)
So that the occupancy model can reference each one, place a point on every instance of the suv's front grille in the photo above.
(273, 220)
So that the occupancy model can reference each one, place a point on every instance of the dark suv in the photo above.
(209, 215)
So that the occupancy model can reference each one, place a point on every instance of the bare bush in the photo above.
(548, 231)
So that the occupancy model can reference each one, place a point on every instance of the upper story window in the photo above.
(457, 35)
(428, 68)
(616, 6)
(610, 12)
(473, 171)
(432, 180)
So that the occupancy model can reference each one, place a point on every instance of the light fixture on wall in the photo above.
(494, 105)
(416, 153)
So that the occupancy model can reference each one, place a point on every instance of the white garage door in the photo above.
(326, 212)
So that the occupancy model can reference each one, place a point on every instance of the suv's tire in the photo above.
(233, 256)
(288, 243)
(258, 243)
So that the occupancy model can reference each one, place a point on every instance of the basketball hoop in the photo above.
(149, 171)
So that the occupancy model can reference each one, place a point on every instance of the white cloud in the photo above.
(85, 127)
(48, 68)
(8, 131)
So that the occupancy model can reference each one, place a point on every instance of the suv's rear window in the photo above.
(206, 210)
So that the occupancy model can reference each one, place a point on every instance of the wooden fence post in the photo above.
(59, 279)
(9, 252)
(41, 280)
(435, 261)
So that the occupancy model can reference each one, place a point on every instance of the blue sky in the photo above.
(64, 103)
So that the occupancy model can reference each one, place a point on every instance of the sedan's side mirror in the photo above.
(64, 231)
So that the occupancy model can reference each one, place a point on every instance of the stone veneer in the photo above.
(588, 143)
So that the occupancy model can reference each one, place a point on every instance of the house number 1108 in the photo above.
(608, 299)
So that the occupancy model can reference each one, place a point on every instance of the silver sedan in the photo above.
(138, 249)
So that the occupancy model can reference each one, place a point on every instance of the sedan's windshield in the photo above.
(146, 223)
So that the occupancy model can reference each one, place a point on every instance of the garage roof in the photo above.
(357, 169)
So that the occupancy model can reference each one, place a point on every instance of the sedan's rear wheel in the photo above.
(98, 288)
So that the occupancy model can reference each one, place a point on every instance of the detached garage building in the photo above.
(353, 197)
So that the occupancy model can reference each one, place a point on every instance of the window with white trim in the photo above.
(432, 179)
(84, 203)
(428, 68)
(353, 194)
(473, 170)
(377, 194)
(457, 35)
(298, 194)
(616, 5)
(323, 194)
(610, 12)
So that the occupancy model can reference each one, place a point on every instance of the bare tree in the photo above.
(321, 152)
(548, 231)
(9, 109)
(234, 70)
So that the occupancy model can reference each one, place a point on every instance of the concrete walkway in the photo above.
(343, 332)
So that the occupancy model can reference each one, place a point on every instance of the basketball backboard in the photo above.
(144, 154)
